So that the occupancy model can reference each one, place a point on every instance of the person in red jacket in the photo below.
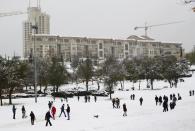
(53, 111)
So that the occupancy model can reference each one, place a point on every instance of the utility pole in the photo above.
(35, 28)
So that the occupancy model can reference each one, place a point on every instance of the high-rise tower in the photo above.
(38, 18)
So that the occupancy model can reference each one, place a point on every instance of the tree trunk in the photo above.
(87, 85)
(151, 82)
(10, 95)
(40, 87)
(98, 84)
(54, 89)
(121, 85)
(170, 83)
(110, 91)
(139, 84)
(1, 97)
(45, 88)
(57, 88)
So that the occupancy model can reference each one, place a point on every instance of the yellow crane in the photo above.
(146, 27)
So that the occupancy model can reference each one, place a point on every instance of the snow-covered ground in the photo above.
(148, 117)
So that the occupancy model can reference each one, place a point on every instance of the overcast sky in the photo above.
(102, 19)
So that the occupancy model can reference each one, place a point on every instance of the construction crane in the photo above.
(146, 27)
(12, 13)
(19, 12)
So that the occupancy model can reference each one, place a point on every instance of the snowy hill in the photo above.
(147, 117)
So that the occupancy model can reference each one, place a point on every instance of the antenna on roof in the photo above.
(29, 3)
(39, 4)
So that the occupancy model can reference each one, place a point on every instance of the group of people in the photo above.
(165, 101)
(132, 96)
(32, 115)
(52, 111)
(191, 92)
(87, 98)
(49, 114)
(116, 103)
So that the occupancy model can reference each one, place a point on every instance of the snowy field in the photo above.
(147, 117)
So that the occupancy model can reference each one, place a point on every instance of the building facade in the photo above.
(99, 48)
(35, 18)
(46, 45)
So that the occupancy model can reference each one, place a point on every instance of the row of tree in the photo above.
(191, 56)
(16, 74)
(113, 71)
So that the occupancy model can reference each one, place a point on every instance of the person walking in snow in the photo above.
(156, 100)
(141, 101)
(14, 111)
(85, 98)
(95, 98)
(160, 100)
(179, 97)
(124, 110)
(113, 102)
(133, 96)
(23, 112)
(47, 118)
(171, 96)
(88, 98)
(62, 111)
(117, 103)
(53, 111)
(32, 117)
(68, 111)
(49, 105)
(190, 92)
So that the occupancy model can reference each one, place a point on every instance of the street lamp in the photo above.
(35, 28)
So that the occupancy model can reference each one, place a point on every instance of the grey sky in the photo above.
(102, 19)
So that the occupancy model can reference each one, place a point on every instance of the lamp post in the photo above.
(35, 28)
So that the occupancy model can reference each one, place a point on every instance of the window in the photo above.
(66, 40)
(126, 46)
(101, 53)
(51, 39)
(100, 46)
(78, 40)
(39, 39)
(118, 43)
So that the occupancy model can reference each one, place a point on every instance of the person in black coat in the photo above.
(68, 111)
(14, 111)
(141, 101)
(124, 110)
(47, 118)
(95, 98)
(62, 111)
(23, 112)
(32, 117)
(156, 100)
(190, 92)
(49, 104)
(160, 100)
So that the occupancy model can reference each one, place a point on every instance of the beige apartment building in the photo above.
(98, 48)
(47, 45)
